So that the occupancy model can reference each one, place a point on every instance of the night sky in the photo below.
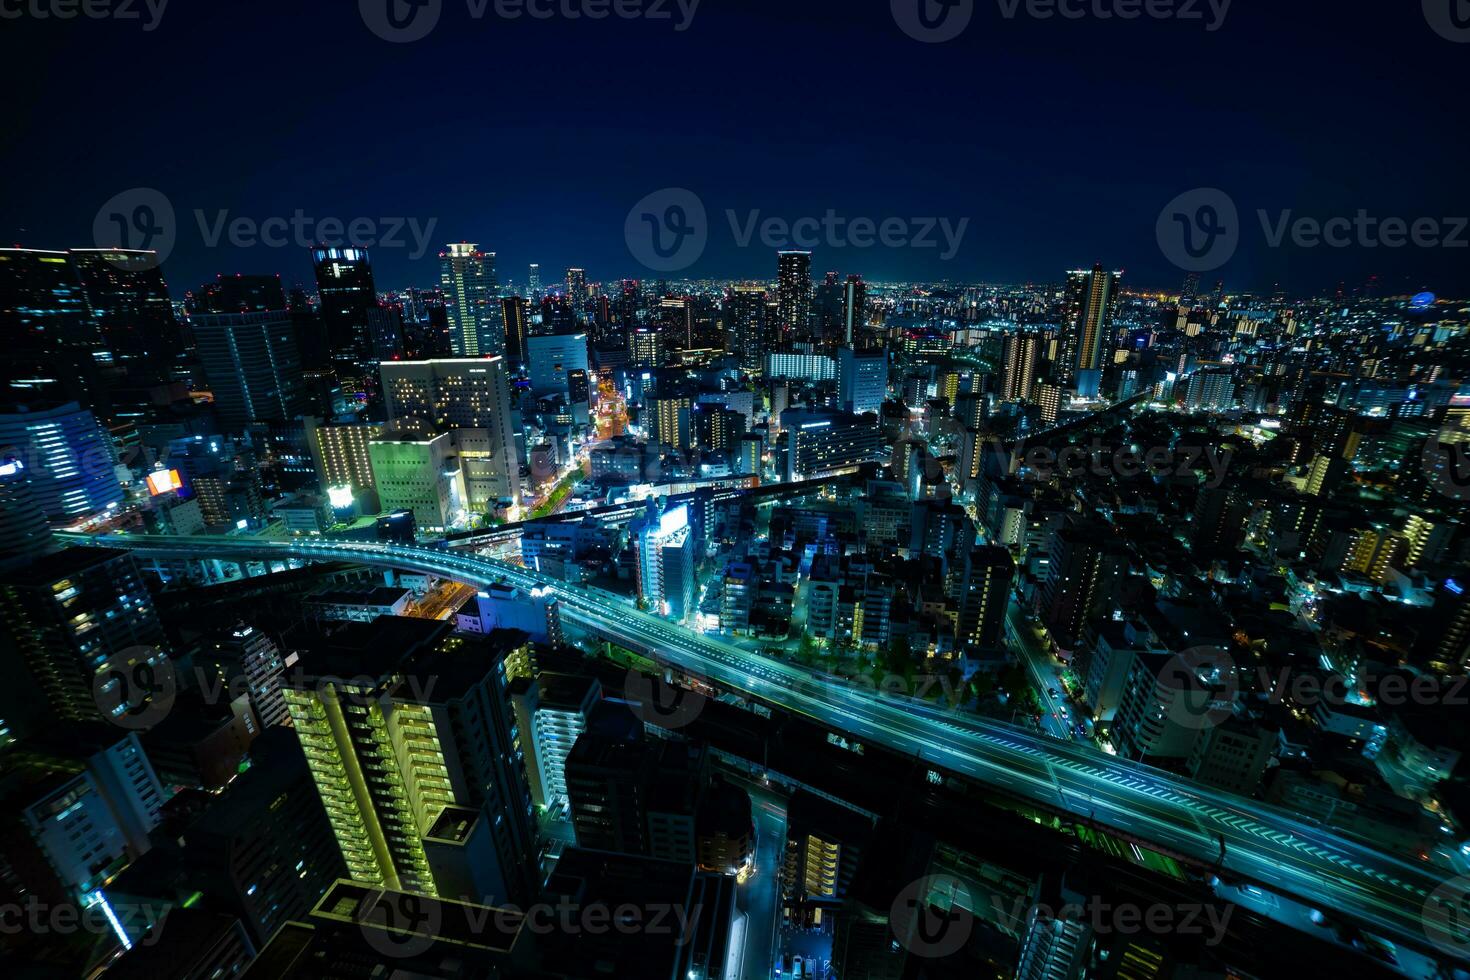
(1060, 141)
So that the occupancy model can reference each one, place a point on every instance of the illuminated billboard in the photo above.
(164, 481)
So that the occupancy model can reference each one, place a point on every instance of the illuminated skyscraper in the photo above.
(854, 303)
(746, 326)
(472, 299)
(253, 366)
(1087, 321)
(794, 295)
(577, 291)
(533, 282)
(516, 313)
(129, 299)
(1022, 352)
(344, 282)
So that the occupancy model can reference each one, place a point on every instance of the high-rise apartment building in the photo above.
(1020, 356)
(426, 725)
(472, 300)
(794, 296)
(747, 328)
(854, 309)
(1087, 321)
(515, 311)
(577, 291)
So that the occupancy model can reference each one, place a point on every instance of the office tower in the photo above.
(253, 367)
(42, 305)
(985, 588)
(1087, 321)
(577, 291)
(515, 311)
(625, 316)
(1020, 356)
(822, 441)
(243, 658)
(854, 310)
(551, 358)
(1084, 574)
(420, 474)
(459, 394)
(127, 296)
(646, 347)
(66, 458)
(69, 613)
(344, 282)
(425, 727)
(579, 387)
(52, 340)
(472, 300)
(747, 328)
(827, 312)
(533, 283)
(25, 534)
(340, 453)
(862, 380)
(664, 557)
(793, 296)
(676, 322)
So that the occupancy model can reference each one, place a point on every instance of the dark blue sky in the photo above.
(1059, 140)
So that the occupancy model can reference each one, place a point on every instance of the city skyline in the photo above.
(956, 136)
